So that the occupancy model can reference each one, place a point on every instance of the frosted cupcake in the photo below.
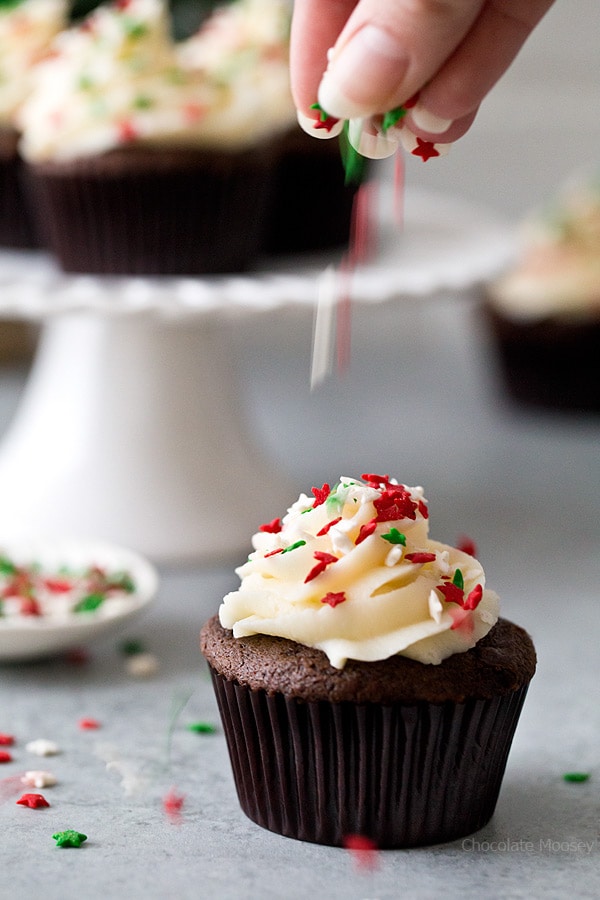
(142, 165)
(246, 45)
(365, 681)
(544, 314)
(27, 28)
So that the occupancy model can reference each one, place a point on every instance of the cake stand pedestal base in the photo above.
(130, 430)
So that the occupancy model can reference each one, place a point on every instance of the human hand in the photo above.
(449, 52)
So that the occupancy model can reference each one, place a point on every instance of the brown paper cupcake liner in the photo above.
(16, 225)
(401, 775)
(550, 364)
(179, 212)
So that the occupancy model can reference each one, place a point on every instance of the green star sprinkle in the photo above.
(201, 728)
(89, 603)
(576, 777)
(132, 647)
(69, 838)
(395, 537)
(323, 115)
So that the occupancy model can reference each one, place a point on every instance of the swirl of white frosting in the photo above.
(558, 270)
(119, 78)
(353, 572)
(27, 29)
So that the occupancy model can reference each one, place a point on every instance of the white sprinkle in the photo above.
(142, 665)
(324, 327)
(38, 778)
(435, 607)
(42, 747)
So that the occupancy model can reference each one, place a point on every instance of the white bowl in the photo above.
(33, 637)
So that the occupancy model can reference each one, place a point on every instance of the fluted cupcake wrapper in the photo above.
(401, 775)
(16, 226)
(191, 213)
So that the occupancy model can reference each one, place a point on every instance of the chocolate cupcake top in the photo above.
(27, 28)
(501, 662)
(119, 78)
(352, 572)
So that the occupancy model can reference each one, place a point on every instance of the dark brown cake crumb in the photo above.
(503, 661)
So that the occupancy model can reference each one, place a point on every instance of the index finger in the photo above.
(314, 31)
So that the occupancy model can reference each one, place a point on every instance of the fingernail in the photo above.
(316, 128)
(369, 142)
(422, 118)
(419, 147)
(346, 90)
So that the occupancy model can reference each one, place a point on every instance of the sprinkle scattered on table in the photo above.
(69, 838)
(42, 747)
(576, 777)
(5, 756)
(89, 724)
(142, 665)
(33, 801)
(202, 728)
(38, 778)
(6, 740)
(173, 802)
(131, 647)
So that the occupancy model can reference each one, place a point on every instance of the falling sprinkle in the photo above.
(466, 545)
(363, 850)
(323, 328)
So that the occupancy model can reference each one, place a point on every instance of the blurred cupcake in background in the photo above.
(139, 164)
(544, 314)
(27, 28)
(245, 45)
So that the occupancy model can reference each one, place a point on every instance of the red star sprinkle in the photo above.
(89, 724)
(326, 124)
(324, 560)
(366, 531)
(33, 801)
(334, 599)
(395, 503)
(272, 527)
(329, 525)
(321, 495)
(29, 607)
(425, 149)
(57, 585)
(451, 593)
(5, 756)
(363, 849)
(6, 740)
(466, 545)
(377, 480)
(420, 557)
(173, 804)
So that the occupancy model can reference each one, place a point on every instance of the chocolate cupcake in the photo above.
(27, 28)
(543, 315)
(140, 163)
(365, 682)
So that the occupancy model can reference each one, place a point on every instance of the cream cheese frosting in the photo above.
(352, 571)
(558, 270)
(119, 78)
(27, 28)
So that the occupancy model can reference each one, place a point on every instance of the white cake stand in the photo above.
(131, 427)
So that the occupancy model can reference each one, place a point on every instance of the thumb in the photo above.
(388, 50)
